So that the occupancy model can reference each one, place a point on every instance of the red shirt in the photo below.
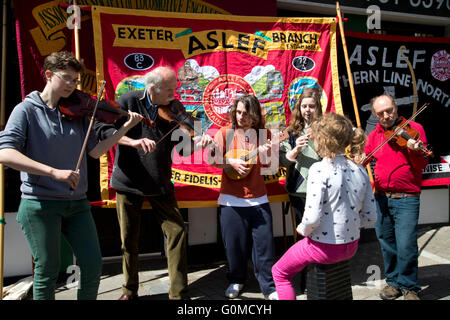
(397, 169)
(252, 186)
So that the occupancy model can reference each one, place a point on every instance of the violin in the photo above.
(393, 134)
(176, 113)
(80, 104)
(401, 133)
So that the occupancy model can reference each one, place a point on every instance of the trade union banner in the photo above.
(415, 70)
(46, 26)
(216, 58)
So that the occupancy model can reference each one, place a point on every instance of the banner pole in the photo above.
(350, 78)
(76, 36)
(2, 126)
(347, 64)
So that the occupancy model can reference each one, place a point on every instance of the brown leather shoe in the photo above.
(390, 293)
(410, 295)
(129, 297)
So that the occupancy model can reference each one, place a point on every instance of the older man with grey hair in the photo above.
(142, 169)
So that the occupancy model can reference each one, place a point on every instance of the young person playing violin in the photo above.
(45, 147)
(398, 179)
(245, 214)
(142, 169)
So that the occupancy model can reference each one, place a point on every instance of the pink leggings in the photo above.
(302, 253)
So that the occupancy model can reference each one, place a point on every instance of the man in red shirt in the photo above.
(398, 180)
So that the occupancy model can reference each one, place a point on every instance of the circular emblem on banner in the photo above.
(298, 85)
(440, 65)
(131, 83)
(303, 64)
(138, 61)
(219, 95)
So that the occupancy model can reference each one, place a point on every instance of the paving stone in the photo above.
(208, 281)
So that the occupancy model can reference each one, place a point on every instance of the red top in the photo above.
(397, 169)
(252, 186)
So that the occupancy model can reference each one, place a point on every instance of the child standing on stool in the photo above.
(339, 201)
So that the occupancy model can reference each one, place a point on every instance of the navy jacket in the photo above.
(134, 171)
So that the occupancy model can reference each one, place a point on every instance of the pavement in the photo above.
(208, 281)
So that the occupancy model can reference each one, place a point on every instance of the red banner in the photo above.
(46, 26)
(216, 57)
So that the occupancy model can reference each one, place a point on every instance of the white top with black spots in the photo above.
(339, 201)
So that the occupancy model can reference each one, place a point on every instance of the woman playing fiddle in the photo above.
(45, 147)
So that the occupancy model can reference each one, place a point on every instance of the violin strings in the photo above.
(395, 132)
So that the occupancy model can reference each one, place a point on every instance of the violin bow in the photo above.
(91, 123)
(370, 155)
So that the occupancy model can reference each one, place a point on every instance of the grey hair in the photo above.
(155, 78)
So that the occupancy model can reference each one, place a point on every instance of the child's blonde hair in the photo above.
(333, 133)
(356, 148)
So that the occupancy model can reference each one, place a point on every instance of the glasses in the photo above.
(68, 79)
(383, 113)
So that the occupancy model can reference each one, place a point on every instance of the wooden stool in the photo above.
(329, 282)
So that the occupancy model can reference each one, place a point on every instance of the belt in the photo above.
(398, 195)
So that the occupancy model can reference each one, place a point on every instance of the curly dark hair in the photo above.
(253, 108)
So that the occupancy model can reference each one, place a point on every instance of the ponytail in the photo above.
(356, 147)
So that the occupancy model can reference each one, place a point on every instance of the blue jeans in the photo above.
(245, 231)
(43, 223)
(396, 229)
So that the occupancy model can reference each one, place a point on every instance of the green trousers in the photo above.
(169, 217)
(43, 223)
